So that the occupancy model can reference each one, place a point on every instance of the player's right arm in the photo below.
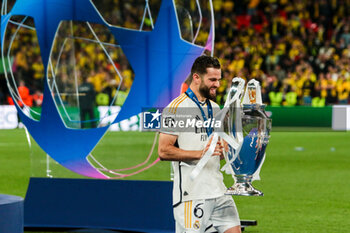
(168, 151)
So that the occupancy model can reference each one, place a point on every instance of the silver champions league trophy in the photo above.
(246, 129)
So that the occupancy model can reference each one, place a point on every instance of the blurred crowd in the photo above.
(299, 51)
(71, 59)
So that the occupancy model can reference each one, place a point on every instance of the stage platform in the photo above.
(53, 204)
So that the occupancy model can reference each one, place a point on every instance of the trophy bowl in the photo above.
(256, 127)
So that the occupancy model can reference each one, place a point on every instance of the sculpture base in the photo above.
(54, 204)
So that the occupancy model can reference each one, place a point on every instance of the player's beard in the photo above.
(205, 92)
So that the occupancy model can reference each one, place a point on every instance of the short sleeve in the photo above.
(168, 125)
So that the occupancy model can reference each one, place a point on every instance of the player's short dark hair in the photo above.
(203, 62)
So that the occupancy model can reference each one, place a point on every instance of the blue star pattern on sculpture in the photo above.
(160, 59)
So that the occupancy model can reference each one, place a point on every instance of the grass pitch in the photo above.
(305, 177)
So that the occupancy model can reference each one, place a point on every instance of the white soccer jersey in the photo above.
(209, 183)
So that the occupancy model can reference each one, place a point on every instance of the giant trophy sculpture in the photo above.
(156, 55)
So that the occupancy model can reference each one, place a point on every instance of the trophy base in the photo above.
(243, 187)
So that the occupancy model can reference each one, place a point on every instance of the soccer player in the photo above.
(199, 205)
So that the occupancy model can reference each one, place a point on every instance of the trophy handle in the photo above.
(236, 91)
(227, 168)
(234, 139)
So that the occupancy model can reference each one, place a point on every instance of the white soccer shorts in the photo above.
(199, 216)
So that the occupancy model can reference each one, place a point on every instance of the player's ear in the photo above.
(196, 78)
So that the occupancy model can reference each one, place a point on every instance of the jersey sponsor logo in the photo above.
(204, 137)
